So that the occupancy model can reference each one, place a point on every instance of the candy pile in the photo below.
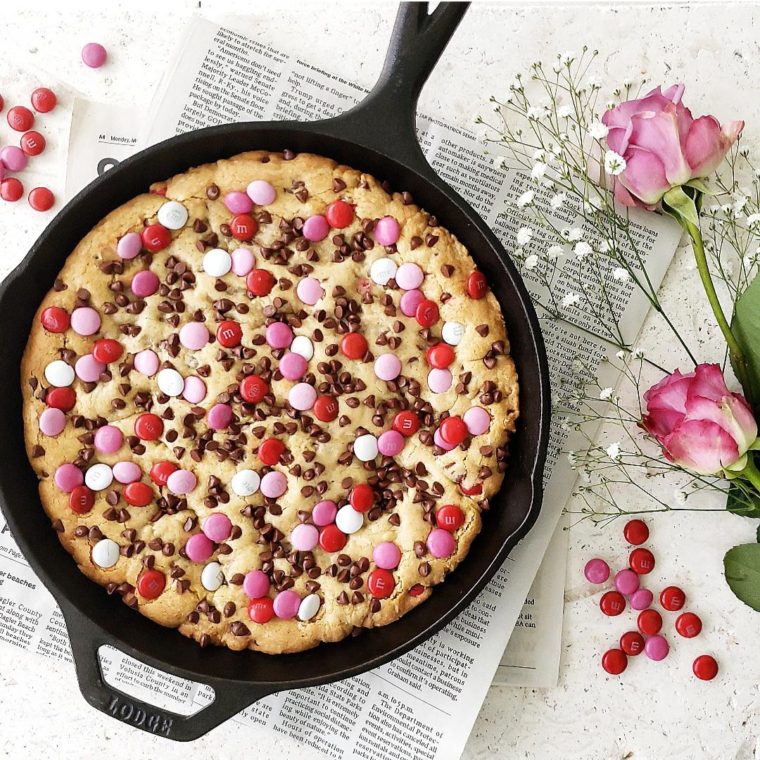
(648, 638)
(14, 159)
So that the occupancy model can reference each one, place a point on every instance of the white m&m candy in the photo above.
(59, 374)
(98, 477)
(452, 332)
(173, 215)
(382, 270)
(212, 576)
(348, 519)
(105, 553)
(170, 382)
(245, 482)
(309, 607)
(365, 447)
(217, 262)
(302, 346)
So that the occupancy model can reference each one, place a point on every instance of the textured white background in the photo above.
(655, 710)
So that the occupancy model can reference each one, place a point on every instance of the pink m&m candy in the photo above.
(641, 599)
(293, 366)
(219, 416)
(409, 276)
(596, 571)
(242, 261)
(52, 422)
(390, 443)
(147, 362)
(387, 231)
(88, 368)
(626, 582)
(309, 290)
(255, 584)
(477, 420)
(302, 397)
(279, 335)
(410, 301)
(316, 228)
(387, 366)
(199, 548)
(441, 543)
(386, 555)
(304, 537)
(129, 246)
(13, 159)
(108, 439)
(439, 380)
(273, 484)
(85, 321)
(440, 442)
(126, 472)
(286, 604)
(261, 192)
(656, 647)
(194, 390)
(67, 477)
(237, 202)
(217, 527)
(324, 512)
(145, 283)
(181, 482)
(94, 55)
(194, 335)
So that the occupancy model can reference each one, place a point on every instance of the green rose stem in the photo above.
(738, 360)
(750, 472)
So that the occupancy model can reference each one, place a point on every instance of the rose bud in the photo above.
(700, 424)
(663, 145)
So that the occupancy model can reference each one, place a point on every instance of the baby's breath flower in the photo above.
(598, 131)
(606, 394)
(524, 235)
(582, 249)
(538, 171)
(555, 251)
(567, 57)
(753, 219)
(539, 155)
(570, 299)
(613, 451)
(557, 200)
(531, 262)
(526, 199)
(605, 246)
(499, 162)
(565, 112)
(614, 164)
(575, 233)
(620, 274)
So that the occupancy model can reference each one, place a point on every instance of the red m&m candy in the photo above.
(649, 622)
(55, 319)
(107, 350)
(43, 100)
(253, 389)
(332, 538)
(477, 285)
(614, 661)
(11, 189)
(641, 561)
(353, 345)
(636, 532)
(449, 517)
(155, 237)
(672, 598)
(20, 118)
(32, 143)
(325, 408)
(453, 430)
(41, 199)
(270, 451)
(243, 227)
(362, 497)
(149, 427)
(81, 500)
(426, 313)
(339, 214)
(381, 583)
(612, 603)
(160, 472)
(138, 494)
(61, 398)
(632, 643)
(440, 356)
(260, 282)
(688, 625)
(261, 610)
(407, 423)
(705, 667)
(229, 333)
(151, 583)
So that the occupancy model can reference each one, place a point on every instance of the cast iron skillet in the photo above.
(377, 136)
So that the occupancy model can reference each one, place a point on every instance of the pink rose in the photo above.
(699, 423)
(663, 145)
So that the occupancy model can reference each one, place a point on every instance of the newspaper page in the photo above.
(404, 708)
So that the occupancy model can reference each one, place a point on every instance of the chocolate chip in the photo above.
(212, 192)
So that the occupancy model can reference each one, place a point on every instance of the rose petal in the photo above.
(644, 176)
(709, 382)
(707, 144)
(658, 133)
(701, 446)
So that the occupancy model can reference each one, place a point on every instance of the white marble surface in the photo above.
(655, 710)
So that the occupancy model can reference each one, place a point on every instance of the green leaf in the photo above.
(742, 569)
(701, 185)
(746, 504)
(680, 205)
(758, 534)
(746, 329)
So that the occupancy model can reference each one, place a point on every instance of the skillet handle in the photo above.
(229, 698)
(385, 119)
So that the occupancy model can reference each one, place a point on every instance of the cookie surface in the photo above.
(268, 401)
